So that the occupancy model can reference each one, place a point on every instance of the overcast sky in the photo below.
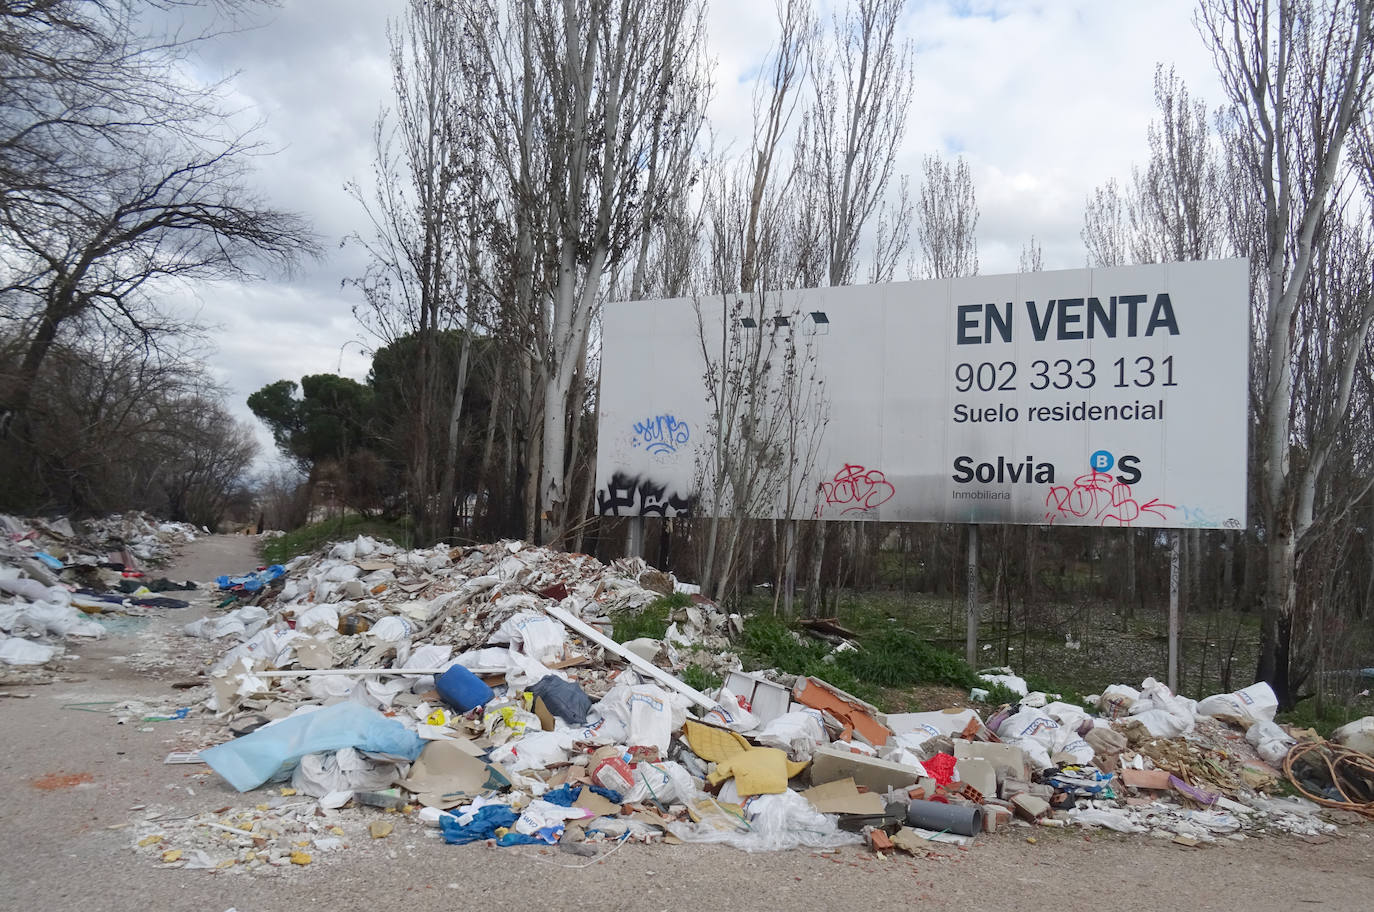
(1046, 100)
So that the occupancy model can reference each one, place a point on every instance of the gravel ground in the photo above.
(76, 784)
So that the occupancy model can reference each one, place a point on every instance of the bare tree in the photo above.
(427, 211)
(857, 120)
(1104, 226)
(947, 220)
(116, 178)
(575, 102)
(1177, 210)
(775, 101)
(1297, 77)
(768, 413)
(1032, 257)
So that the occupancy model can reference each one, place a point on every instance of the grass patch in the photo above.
(700, 678)
(309, 538)
(887, 658)
(1305, 715)
(650, 621)
(900, 658)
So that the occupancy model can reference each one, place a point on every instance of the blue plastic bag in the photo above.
(484, 824)
(257, 757)
(251, 582)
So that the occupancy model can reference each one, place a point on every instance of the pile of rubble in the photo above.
(55, 576)
(478, 691)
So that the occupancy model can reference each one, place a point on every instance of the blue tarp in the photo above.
(257, 757)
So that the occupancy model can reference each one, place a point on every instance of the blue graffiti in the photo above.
(661, 434)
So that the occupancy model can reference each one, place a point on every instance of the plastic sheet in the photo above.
(775, 823)
(19, 651)
(273, 750)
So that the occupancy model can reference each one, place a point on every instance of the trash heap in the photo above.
(477, 690)
(55, 574)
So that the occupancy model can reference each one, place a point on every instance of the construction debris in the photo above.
(56, 577)
(478, 692)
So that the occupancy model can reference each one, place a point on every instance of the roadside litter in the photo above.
(478, 692)
(55, 576)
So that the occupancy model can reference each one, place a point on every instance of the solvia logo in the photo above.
(1127, 466)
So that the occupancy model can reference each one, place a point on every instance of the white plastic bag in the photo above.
(58, 619)
(1254, 703)
(1357, 735)
(533, 750)
(729, 713)
(1163, 714)
(344, 770)
(539, 636)
(1117, 700)
(1014, 683)
(19, 651)
(1032, 731)
(392, 629)
(1271, 742)
(318, 619)
(797, 733)
(776, 823)
(649, 714)
(666, 781)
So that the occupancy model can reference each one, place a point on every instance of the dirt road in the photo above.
(73, 780)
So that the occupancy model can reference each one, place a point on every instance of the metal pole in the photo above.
(635, 546)
(789, 586)
(971, 638)
(1173, 610)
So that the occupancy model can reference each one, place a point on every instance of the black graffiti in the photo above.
(627, 496)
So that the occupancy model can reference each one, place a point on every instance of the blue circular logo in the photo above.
(1102, 461)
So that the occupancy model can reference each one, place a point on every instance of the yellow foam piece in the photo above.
(757, 771)
(714, 745)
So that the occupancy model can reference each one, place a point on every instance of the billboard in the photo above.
(1108, 397)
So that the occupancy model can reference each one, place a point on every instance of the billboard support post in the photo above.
(789, 585)
(1173, 610)
(971, 637)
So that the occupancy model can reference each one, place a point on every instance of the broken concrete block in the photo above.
(830, 763)
(1031, 807)
(995, 816)
(1013, 787)
(977, 773)
(999, 755)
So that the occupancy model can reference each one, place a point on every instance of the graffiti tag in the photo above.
(1099, 496)
(627, 496)
(855, 488)
(662, 434)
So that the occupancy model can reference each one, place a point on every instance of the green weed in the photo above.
(650, 621)
(699, 678)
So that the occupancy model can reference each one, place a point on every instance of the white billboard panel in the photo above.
(1084, 397)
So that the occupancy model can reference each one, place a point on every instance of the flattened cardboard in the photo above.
(842, 796)
(446, 776)
(598, 805)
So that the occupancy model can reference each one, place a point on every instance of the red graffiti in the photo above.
(1100, 497)
(857, 489)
